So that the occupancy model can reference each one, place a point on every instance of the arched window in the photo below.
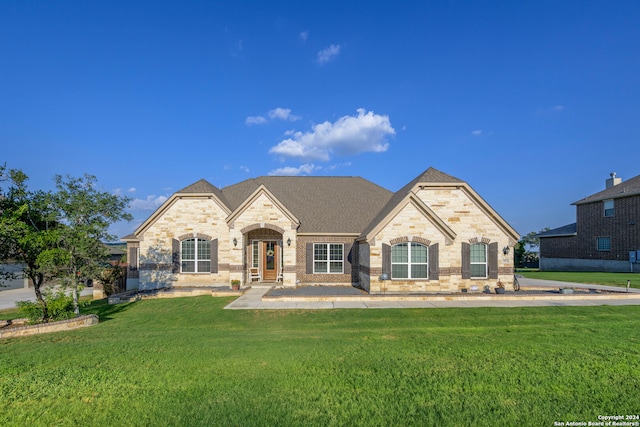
(195, 256)
(478, 259)
(409, 260)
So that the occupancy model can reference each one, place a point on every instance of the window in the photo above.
(603, 244)
(255, 255)
(478, 261)
(195, 256)
(409, 261)
(328, 258)
(608, 207)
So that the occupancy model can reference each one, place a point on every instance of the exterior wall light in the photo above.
(235, 242)
(289, 241)
(505, 250)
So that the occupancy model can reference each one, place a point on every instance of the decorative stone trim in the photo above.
(155, 266)
(505, 270)
(236, 267)
(195, 236)
(223, 267)
(416, 239)
(251, 227)
(484, 240)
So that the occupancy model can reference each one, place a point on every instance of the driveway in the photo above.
(8, 298)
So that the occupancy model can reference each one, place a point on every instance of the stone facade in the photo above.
(444, 217)
(465, 218)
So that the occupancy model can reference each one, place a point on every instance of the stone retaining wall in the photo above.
(43, 328)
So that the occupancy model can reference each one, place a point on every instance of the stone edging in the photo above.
(43, 328)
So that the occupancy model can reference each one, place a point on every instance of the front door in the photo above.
(269, 260)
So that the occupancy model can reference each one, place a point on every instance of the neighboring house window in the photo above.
(609, 208)
(478, 261)
(603, 244)
(255, 255)
(328, 258)
(409, 261)
(195, 256)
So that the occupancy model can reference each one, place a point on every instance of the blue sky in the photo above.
(532, 103)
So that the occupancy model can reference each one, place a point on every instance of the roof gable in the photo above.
(262, 190)
(435, 178)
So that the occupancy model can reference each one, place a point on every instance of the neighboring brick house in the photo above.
(606, 231)
(436, 234)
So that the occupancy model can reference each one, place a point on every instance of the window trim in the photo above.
(328, 261)
(603, 239)
(255, 254)
(608, 212)
(485, 263)
(409, 263)
(196, 258)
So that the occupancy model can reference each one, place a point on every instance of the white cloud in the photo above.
(328, 54)
(244, 169)
(131, 190)
(283, 114)
(150, 203)
(558, 108)
(303, 36)
(349, 135)
(291, 171)
(477, 132)
(255, 120)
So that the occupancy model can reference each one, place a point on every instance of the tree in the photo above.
(25, 228)
(531, 242)
(85, 214)
(58, 234)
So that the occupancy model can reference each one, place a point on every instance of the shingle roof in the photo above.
(565, 230)
(203, 187)
(630, 187)
(322, 204)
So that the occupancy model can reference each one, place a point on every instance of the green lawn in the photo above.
(186, 361)
(596, 278)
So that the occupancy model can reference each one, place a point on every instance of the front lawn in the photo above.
(186, 361)
(586, 277)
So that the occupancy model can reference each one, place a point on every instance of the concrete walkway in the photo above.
(254, 298)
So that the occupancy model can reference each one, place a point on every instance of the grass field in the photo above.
(186, 361)
(597, 278)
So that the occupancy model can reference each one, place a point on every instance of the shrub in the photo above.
(59, 306)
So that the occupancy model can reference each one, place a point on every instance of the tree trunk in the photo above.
(76, 310)
(37, 280)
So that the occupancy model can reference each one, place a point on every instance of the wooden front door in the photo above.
(270, 259)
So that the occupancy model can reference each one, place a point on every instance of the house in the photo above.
(605, 236)
(12, 275)
(436, 234)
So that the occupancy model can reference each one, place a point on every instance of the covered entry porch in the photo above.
(265, 251)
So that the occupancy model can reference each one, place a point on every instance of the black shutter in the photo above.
(466, 260)
(348, 258)
(309, 258)
(175, 256)
(214, 256)
(434, 270)
(386, 260)
(493, 260)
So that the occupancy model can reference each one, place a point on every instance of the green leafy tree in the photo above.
(27, 228)
(85, 214)
(59, 234)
